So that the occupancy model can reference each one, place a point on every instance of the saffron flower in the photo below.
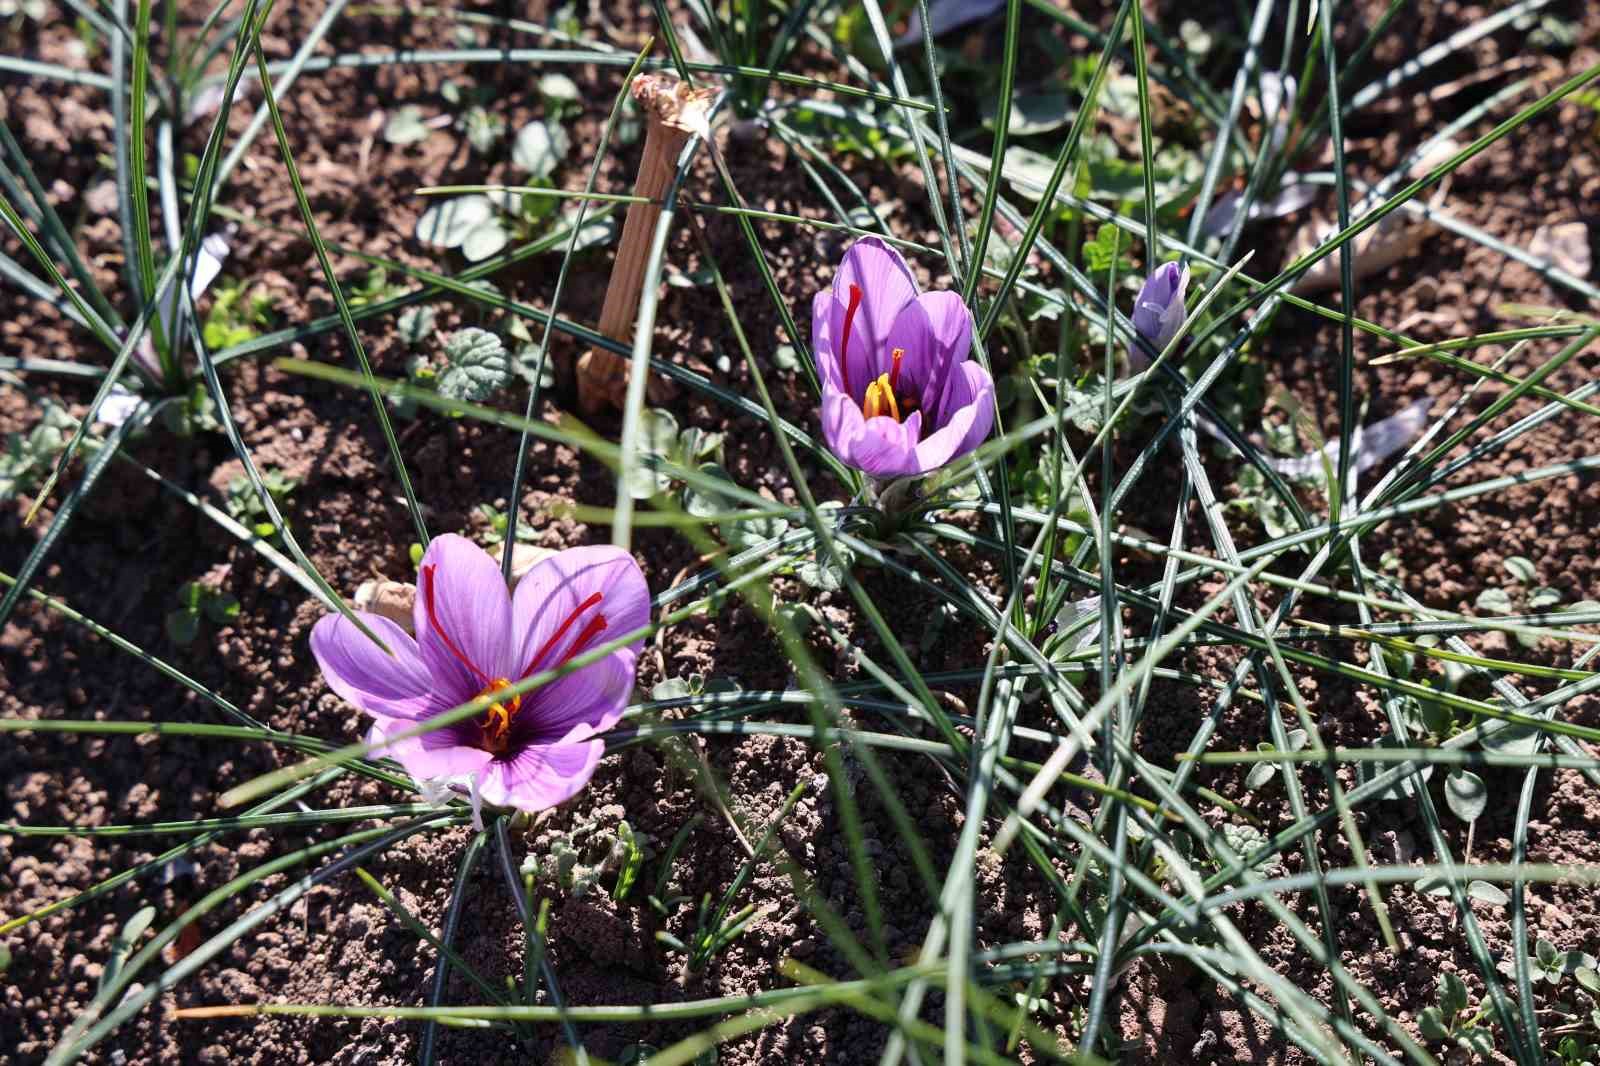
(900, 397)
(529, 751)
(1159, 311)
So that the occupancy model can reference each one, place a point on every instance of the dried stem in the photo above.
(674, 112)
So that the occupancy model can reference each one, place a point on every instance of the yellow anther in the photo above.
(880, 399)
(873, 401)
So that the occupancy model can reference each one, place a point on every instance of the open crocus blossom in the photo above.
(900, 397)
(1159, 311)
(529, 751)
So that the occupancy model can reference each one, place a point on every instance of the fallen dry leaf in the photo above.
(1566, 246)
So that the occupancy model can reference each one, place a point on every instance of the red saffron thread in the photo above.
(561, 631)
(433, 622)
(844, 344)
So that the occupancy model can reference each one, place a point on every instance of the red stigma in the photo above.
(844, 343)
(894, 371)
(433, 623)
(596, 624)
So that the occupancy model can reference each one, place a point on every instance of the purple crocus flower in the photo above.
(474, 638)
(900, 398)
(1159, 311)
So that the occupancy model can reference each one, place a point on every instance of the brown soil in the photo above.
(122, 561)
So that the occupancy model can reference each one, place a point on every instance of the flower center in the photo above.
(496, 724)
(884, 396)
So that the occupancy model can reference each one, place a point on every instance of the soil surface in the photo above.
(123, 559)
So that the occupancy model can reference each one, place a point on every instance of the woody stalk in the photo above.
(674, 111)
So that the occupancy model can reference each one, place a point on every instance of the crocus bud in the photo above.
(1158, 313)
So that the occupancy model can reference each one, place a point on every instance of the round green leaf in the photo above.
(405, 126)
(478, 366)
(182, 626)
(540, 147)
(1432, 1025)
(658, 431)
(595, 232)
(416, 324)
(1522, 568)
(818, 572)
(446, 224)
(1466, 794)
(222, 608)
(1033, 113)
(658, 438)
(1496, 600)
(1484, 892)
(1513, 740)
(559, 89)
(484, 240)
(1543, 599)
(673, 688)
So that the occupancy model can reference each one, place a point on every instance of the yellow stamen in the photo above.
(880, 399)
(870, 405)
(497, 719)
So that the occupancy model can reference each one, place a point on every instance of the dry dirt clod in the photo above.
(394, 600)
(524, 557)
(389, 599)
(1375, 250)
(1565, 245)
(674, 112)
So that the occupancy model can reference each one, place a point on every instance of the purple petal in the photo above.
(886, 448)
(826, 316)
(434, 756)
(936, 332)
(551, 609)
(970, 401)
(947, 15)
(982, 385)
(472, 615)
(541, 775)
(1159, 310)
(395, 686)
(593, 697)
(447, 752)
(841, 420)
(886, 286)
